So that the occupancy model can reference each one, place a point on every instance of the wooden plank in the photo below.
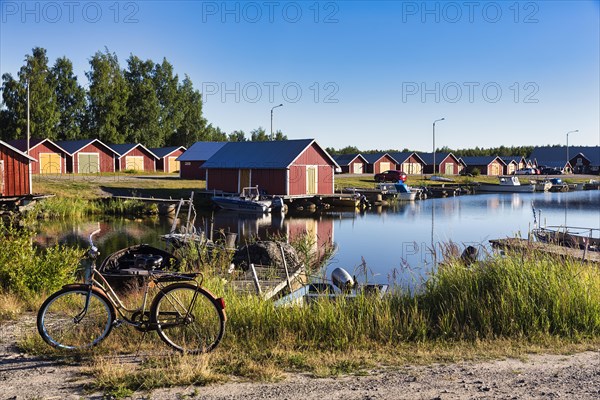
(552, 249)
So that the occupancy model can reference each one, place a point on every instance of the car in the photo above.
(551, 171)
(390, 176)
(526, 171)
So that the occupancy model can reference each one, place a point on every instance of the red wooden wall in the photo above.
(16, 179)
(149, 164)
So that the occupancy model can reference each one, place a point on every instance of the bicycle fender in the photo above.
(96, 290)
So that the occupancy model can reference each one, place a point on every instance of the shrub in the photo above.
(27, 271)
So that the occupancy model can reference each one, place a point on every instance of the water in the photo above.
(395, 243)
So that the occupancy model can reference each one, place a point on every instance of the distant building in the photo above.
(88, 156)
(445, 163)
(167, 158)
(380, 162)
(51, 158)
(134, 157)
(351, 163)
(287, 167)
(15, 171)
(513, 163)
(487, 165)
(409, 162)
(582, 159)
(192, 160)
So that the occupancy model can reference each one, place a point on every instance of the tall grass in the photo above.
(75, 207)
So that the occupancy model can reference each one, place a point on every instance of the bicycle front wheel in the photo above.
(64, 322)
(188, 318)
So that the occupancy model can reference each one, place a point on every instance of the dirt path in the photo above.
(539, 377)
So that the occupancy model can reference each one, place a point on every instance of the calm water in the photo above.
(395, 243)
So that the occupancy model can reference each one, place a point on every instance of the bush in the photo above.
(475, 172)
(26, 271)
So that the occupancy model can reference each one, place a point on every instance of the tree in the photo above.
(107, 98)
(44, 116)
(237, 136)
(143, 109)
(259, 135)
(280, 136)
(167, 86)
(193, 126)
(70, 98)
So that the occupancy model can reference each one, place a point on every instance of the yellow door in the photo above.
(50, 163)
(244, 178)
(449, 169)
(357, 168)
(173, 164)
(135, 163)
(384, 166)
(312, 183)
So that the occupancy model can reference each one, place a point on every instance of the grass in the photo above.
(503, 307)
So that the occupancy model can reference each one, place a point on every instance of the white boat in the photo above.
(542, 185)
(249, 200)
(506, 184)
(401, 190)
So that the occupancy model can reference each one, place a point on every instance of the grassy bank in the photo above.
(504, 306)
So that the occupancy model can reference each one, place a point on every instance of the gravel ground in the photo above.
(546, 376)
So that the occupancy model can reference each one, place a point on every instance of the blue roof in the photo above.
(73, 146)
(161, 152)
(428, 157)
(17, 150)
(122, 149)
(401, 156)
(481, 160)
(346, 159)
(201, 151)
(374, 157)
(260, 155)
(508, 159)
(546, 155)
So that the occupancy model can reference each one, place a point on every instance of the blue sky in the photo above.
(369, 74)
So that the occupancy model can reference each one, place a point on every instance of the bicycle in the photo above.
(185, 315)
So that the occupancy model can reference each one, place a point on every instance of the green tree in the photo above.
(70, 99)
(107, 98)
(170, 114)
(193, 126)
(237, 136)
(259, 135)
(44, 115)
(143, 108)
(279, 136)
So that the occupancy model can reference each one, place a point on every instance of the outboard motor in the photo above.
(342, 279)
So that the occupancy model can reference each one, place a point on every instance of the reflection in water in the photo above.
(395, 242)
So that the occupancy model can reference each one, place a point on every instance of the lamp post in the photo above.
(281, 105)
(437, 120)
(577, 130)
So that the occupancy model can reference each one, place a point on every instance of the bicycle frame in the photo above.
(94, 279)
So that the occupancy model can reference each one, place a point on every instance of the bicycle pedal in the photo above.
(117, 323)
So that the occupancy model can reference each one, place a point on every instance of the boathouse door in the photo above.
(312, 183)
(50, 163)
(244, 179)
(1, 177)
(173, 164)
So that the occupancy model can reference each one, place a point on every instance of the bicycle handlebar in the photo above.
(92, 235)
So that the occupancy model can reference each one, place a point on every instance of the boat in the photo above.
(249, 200)
(558, 185)
(506, 184)
(569, 236)
(343, 285)
(542, 185)
(400, 190)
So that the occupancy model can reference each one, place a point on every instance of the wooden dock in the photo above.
(268, 281)
(521, 245)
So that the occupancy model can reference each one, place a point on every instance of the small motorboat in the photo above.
(249, 200)
(569, 236)
(343, 285)
(506, 184)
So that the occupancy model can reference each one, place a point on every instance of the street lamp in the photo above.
(281, 105)
(577, 130)
(437, 120)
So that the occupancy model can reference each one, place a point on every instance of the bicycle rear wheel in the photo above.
(188, 318)
(63, 322)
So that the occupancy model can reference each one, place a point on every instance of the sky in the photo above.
(374, 75)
